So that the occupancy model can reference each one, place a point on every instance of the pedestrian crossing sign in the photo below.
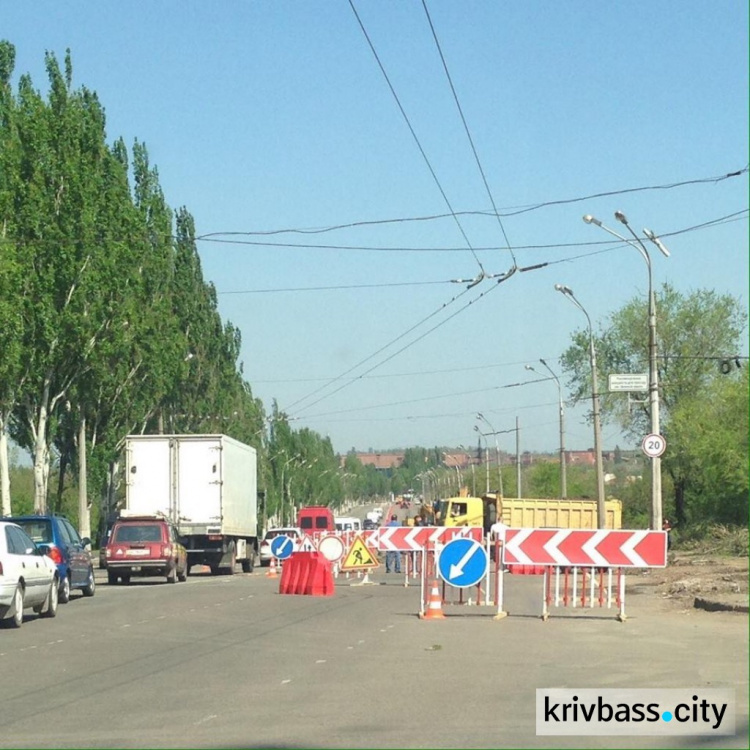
(359, 556)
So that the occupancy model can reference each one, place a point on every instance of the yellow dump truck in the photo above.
(526, 512)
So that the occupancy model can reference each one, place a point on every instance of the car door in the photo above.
(29, 564)
(80, 560)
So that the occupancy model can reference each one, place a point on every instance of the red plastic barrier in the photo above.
(526, 570)
(307, 573)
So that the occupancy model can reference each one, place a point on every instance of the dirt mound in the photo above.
(692, 579)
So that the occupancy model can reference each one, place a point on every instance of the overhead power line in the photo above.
(468, 135)
(414, 136)
(606, 245)
(735, 216)
(504, 213)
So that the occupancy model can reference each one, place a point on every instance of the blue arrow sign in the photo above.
(282, 547)
(463, 563)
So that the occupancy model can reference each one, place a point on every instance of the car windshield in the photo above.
(279, 532)
(40, 530)
(138, 533)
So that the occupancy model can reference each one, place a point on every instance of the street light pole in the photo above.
(486, 462)
(600, 507)
(497, 452)
(653, 372)
(563, 474)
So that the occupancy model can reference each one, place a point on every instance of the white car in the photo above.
(265, 545)
(28, 577)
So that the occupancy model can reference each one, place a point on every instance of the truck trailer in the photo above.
(206, 485)
(526, 512)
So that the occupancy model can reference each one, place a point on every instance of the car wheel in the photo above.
(90, 588)
(265, 563)
(182, 577)
(125, 580)
(16, 620)
(64, 592)
(172, 574)
(50, 605)
(111, 578)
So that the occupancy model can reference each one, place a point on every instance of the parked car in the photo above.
(66, 548)
(28, 577)
(265, 545)
(368, 524)
(145, 546)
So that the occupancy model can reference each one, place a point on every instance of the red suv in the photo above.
(145, 546)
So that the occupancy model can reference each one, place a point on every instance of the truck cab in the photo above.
(315, 518)
(468, 511)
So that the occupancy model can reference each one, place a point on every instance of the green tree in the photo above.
(693, 330)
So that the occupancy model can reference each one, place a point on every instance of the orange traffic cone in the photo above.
(272, 569)
(434, 605)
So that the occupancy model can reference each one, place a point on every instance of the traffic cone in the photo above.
(272, 573)
(434, 605)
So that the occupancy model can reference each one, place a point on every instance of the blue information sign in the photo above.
(282, 547)
(463, 563)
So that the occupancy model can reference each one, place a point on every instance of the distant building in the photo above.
(381, 461)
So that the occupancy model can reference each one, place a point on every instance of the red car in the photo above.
(145, 546)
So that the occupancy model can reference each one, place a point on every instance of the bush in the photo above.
(713, 538)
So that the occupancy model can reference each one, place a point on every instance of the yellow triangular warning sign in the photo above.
(359, 556)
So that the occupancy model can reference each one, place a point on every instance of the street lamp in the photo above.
(600, 508)
(458, 472)
(497, 452)
(563, 478)
(486, 462)
(653, 373)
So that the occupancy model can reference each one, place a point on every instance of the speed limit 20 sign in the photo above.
(653, 445)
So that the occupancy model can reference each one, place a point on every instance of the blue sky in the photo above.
(263, 116)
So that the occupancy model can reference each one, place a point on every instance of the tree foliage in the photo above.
(703, 411)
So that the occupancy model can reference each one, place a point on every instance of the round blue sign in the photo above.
(282, 547)
(463, 563)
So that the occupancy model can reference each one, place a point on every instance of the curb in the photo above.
(711, 606)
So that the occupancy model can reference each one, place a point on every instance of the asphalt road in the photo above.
(227, 662)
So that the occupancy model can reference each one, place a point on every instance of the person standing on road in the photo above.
(667, 526)
(393, 558)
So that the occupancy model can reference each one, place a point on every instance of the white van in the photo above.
(346, 523)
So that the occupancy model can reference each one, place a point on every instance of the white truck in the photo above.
(206, 485)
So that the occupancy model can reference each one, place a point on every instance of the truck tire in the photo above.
(249, 564)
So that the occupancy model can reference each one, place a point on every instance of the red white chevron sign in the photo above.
(412, 539)
(604, 548)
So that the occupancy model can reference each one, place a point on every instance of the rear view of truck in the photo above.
(207, 485)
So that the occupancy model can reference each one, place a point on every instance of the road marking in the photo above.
(205, 719)
(320, 661)
(285, 682)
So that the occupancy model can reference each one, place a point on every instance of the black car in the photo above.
(368, 524)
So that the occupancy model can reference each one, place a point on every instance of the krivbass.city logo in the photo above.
(664, 713)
